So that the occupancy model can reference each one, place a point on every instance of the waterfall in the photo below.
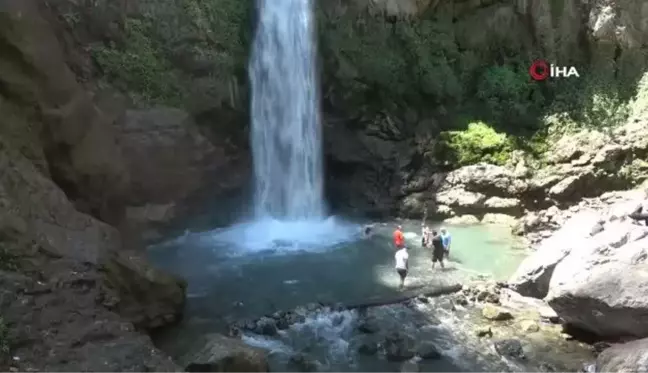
(286, 133)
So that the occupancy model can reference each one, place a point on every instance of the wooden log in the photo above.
(406, 295)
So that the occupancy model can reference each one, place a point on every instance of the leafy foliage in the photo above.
(509, 95)
(139, 66)
(171, 46)
(478, 143)
(448, 68)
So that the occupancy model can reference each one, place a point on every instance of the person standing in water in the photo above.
(402, 265)
(399, 238)
(425, 236)
(447, 239)
(367, 230)
(438, 250)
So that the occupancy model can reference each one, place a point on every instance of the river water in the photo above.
(229, 280)
(226, 281)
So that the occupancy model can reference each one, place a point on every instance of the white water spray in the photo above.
(286, 134)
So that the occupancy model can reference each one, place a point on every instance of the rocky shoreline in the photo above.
(484, 319)
(579, 168)
(588, 266)
(489, 319)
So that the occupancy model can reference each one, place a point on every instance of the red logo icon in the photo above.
(539, 70)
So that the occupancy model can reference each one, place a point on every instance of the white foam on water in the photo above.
(324, 337)
(274, 235)
(411, 235)
(266, 343)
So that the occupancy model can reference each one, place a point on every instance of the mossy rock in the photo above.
(495, 313)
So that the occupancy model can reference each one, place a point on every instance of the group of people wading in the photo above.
(438, 242)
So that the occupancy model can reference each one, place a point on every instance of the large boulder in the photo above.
(147, 297)
(217, 353)
(626, 357)
(601, 287)
(486, 179)
(475, 189)
(592, 270)
(534, 273)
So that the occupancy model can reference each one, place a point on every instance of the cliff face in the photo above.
(71, 282)
(421, 87)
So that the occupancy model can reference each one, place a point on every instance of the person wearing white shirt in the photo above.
(402, 265)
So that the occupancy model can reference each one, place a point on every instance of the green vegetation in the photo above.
(451, 67)
(139, 66)
(478, 143)
(175, 52)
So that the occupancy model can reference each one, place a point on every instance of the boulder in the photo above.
(513, 300)
(399, 347)
(529, 326)
(574, 187)
(486, 179)
(601, 287)
(428, 350)
(148, 297)
(301, 363)
(462, 199)
(511, 348)
(499, 219)
(266, 326)
(484, 331)
(367, 346)
(495, 313)
(573, 146)
(462, 220)
(217, 353)
(534, 273)
(499, 203)
(626, 357)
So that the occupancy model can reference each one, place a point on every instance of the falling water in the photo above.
(286, 134)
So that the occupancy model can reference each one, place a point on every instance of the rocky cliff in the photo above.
(74, 286)
(427, 86)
